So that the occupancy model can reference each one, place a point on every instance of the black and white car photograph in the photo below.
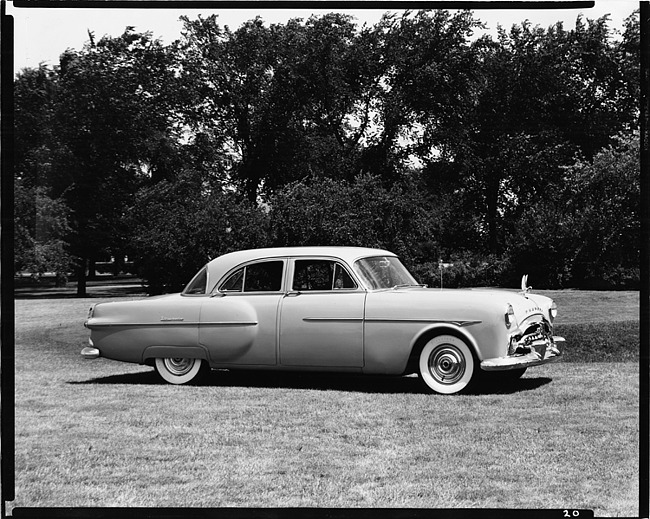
(324, 259)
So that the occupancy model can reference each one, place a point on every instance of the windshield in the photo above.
(383, 272)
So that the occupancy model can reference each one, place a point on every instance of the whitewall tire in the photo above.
(179, 370)
(446, 364)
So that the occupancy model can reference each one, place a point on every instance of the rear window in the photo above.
(199, 284)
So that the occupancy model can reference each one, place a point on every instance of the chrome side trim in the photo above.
(229, 323)
(333, 319)
(173, 323)
(425, 321)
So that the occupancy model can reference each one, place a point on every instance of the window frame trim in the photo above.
(217, 288)
(292, 270)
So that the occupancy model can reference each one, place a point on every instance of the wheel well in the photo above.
(152, 352)
(412, 364)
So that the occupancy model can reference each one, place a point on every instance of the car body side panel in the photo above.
(240, 328)
(322, 329)
(123, 330)
(396, 319)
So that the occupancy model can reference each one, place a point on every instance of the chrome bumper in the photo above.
(549, 353)
(90, 353)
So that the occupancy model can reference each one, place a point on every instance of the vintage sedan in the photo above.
(338, 309)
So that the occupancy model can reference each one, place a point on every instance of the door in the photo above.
(239, 322)
(321, 316)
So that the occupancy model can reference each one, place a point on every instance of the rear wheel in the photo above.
(178, 370)
(446, 364)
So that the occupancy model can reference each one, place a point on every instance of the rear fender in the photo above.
(168, 352)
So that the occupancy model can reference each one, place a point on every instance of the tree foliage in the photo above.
(114, 128)
(494, 154)
(40, 227)
(586, 235)
(178, 226)
(542, 98)
(604, 207)
(364, 213)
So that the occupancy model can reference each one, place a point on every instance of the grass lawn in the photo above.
(103, 433)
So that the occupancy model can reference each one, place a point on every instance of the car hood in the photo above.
(455, 304)
(523, 304)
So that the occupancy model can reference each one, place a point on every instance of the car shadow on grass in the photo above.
(320, 382)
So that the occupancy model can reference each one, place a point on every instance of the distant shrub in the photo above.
(469, 270)
(600, 342)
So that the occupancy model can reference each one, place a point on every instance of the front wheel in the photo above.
(179, 370)
(446, 364)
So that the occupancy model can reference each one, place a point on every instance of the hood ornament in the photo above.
(524, 285)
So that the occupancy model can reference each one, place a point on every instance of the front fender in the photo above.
(390, 345)
(436, 329)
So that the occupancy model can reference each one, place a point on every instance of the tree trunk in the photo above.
(81, 278)
(92, 272)
(492, 202)
(252, 186)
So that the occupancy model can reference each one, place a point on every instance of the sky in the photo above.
(41, 35)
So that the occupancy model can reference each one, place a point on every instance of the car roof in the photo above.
(219, 266)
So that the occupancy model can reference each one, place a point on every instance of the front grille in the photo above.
(536, 334)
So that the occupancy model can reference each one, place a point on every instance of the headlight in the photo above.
(552, 313)
(510, 316)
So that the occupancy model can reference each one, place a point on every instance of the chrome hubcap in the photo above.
(178, 366)
(446, 364)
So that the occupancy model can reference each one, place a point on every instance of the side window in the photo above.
(263, 277)
(320, 275)
(258, 277)
(234, 283)
(342, 279)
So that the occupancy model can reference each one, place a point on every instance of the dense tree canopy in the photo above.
(178, 226)
(412, 134)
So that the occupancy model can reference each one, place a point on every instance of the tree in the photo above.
(426, 77)
(604, 206)
(628, 54)
(113, 122)
(179, 225)
(323, 211)
(587, 234)
(35, 140)
(41, 222)
(40, 226)
(282, 102)
(471, 138)
(542, 97)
